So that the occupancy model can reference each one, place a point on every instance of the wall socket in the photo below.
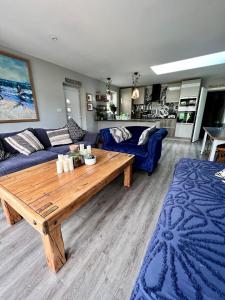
(59, 110)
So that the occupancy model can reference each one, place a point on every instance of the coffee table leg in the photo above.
(11, 215)
(128, 176)
(54, 249)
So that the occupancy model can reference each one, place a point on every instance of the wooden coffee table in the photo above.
(45, 199)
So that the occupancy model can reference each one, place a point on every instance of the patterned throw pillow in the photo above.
(59, 136)
(145, 135)
(25, 142)
(120, 134)
(76, 133)
(3, 155)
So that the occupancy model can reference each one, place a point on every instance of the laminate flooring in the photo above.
(105, 240)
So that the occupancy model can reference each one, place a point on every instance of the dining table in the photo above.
(217, 135)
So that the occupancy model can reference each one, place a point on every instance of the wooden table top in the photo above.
(217, 133)
(42, 194)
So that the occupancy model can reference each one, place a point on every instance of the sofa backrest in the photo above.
(136, 131)
(41, 134)
(7, 147)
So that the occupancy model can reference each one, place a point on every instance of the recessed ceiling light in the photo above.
(190, 63)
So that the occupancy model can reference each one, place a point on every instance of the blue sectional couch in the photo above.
(146, 156)
(21, 161)
(186, 256)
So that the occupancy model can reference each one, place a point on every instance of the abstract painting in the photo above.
(17, 95)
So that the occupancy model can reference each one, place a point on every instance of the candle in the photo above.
(60, 157)
(65, 165)
(71, 166)
(88, 149)
(59, 166)
(81, 148)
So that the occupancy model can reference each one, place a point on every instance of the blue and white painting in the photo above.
(17, 97)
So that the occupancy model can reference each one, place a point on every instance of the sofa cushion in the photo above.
(145, 135)
(41, 134)
(131, 149)
(25, 142)
(3, 154)
(76, 133)
(9, 148)
(120, 134)
(21, 161)
(59, 136)
(63, 149)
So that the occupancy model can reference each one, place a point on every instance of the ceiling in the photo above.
(102, 38)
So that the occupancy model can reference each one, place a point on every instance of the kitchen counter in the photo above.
(169, 124)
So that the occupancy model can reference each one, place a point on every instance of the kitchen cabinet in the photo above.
(190, 88)
(184, 130)
(173, 92)
(170, 125)
(125, 101)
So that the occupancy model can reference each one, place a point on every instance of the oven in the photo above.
(187, 117)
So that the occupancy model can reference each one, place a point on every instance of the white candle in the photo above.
(81, 148)
(89, 149)
(59, 166)
(71, 166)
(60, 157)
(65, 165)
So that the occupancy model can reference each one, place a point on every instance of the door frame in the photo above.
(209, 89)
(78, 87)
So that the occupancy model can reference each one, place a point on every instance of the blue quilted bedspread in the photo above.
(186, 256)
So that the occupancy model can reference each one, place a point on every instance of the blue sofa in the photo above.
(20, 161)
(146, 156)
(186, 258)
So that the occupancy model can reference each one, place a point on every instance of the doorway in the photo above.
(214, 112)
(73, 103)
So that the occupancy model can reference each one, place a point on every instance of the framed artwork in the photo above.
(89, 97)
(89, 106)
(17, 95)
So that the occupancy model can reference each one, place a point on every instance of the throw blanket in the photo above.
(186, 256)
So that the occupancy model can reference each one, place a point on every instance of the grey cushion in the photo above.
(25, 142)
(120, 134)
(145, 135)
(59, 136)
(76, 133)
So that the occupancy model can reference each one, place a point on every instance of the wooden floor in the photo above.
(105, 240)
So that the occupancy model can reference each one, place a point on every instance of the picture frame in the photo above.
(18, 102)
(89, 106)
(89, 97)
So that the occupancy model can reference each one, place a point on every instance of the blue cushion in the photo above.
(41, 134)
(59, 149)
(21, 161)
(185, 258)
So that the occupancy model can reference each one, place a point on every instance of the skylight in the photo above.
(190, 63)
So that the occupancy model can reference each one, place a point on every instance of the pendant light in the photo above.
(135, 92)
(108, 89)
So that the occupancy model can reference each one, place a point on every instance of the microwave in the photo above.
(185, 102)
(187, 117)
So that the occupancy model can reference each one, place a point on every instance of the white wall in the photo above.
(48, 82)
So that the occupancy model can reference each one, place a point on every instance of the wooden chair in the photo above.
(220, 153)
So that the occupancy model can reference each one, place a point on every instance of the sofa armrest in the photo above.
(92, 138)
(155, 143)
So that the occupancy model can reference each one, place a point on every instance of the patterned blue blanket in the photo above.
(186, 256)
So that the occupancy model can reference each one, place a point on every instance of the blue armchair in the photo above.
(146, 156)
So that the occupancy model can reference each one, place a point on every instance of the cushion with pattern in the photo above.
(59, 136)
(3, 154)
(25, 142)
(120, 134)
(76, 133)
